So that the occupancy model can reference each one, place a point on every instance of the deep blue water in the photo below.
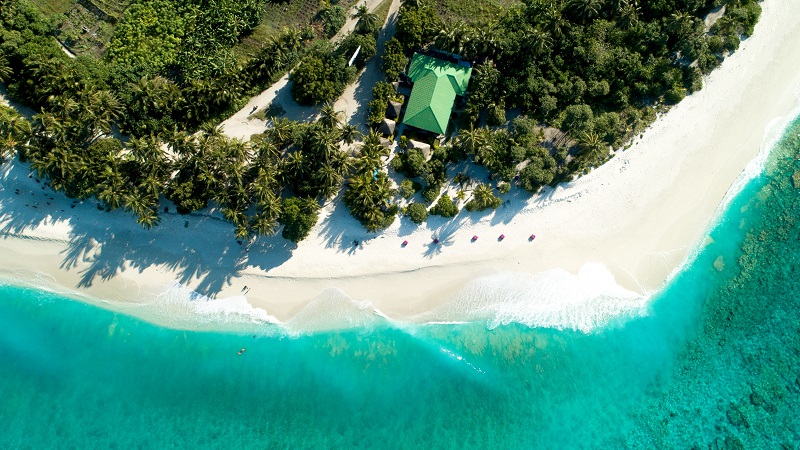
(714, 363)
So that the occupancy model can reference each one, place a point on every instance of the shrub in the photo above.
(504, 187)
(298, 217)
(407, 189)
(497, 115)
(417, 213)
(382, 90)
(578, 119)
(535, 175)
(352, 42)
(319, 78)
(413, 163)
(431, 192)
(377, 111)
(397, 164)
(333, 19)
(675, 95)
(445, 207)
(394, 61)
(403, 142)
(434, 171)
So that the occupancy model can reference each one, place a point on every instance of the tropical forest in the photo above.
(121, 102)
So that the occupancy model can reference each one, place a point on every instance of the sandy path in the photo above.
(353, 101)
(241, 126)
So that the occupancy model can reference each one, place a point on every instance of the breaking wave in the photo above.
(585, 301)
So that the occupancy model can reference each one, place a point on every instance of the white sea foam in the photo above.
(553, 299)
(181, 306)
(334, 310)
(772, 135)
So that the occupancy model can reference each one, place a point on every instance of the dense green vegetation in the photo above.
(14, 131)
(323, 73)
(596, 69)
(277, 179)
(417, 212)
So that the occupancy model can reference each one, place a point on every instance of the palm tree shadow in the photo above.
(513, 203)
(445, 234)
(340, 230)
(293, 110)
(198, 247)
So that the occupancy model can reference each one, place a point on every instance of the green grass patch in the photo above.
(472, 11)
(50, 7)
(277, 16)
(252, 43)
(294, 13)
(382, 11)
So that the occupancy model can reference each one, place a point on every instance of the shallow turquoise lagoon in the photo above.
(713, 363)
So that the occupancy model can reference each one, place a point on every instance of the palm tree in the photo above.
(151, 185)
(585, 10)
(484, 40)
(270, 206)
(211, 130)
(473, 140)
(281, 131)
(350, 133)
(102, 107)
(7, 147)
(263, 185)
(592, 146)
(142, 206)
(539, 42)
(329, 180)
(628, 13)
(325, 143)
(681, 24)
(329, 117)
(5, 69)
(371, 154)
(263, 224)
(266, 153)
(110, 190)
(149, 154)
(181, 143)
(239, 150)
(553, 19)
(295, 165)
(367, 21)
(291, 39)
(454, 36)
(484, 197)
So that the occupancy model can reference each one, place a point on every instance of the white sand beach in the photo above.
(639, 215)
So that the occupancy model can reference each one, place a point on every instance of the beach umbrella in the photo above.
(533, 236)
(502, 236)
(474, 238)
(405, 243)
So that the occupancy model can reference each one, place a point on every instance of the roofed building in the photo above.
(436, 84)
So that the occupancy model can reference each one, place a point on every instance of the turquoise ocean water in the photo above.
(713, 363)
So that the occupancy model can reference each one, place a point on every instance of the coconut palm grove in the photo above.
(122, 102)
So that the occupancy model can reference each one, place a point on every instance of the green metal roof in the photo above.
(436, 84)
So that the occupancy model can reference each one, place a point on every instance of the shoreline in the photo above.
(640, 216)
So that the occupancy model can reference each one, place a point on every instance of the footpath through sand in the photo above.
(352, 102)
